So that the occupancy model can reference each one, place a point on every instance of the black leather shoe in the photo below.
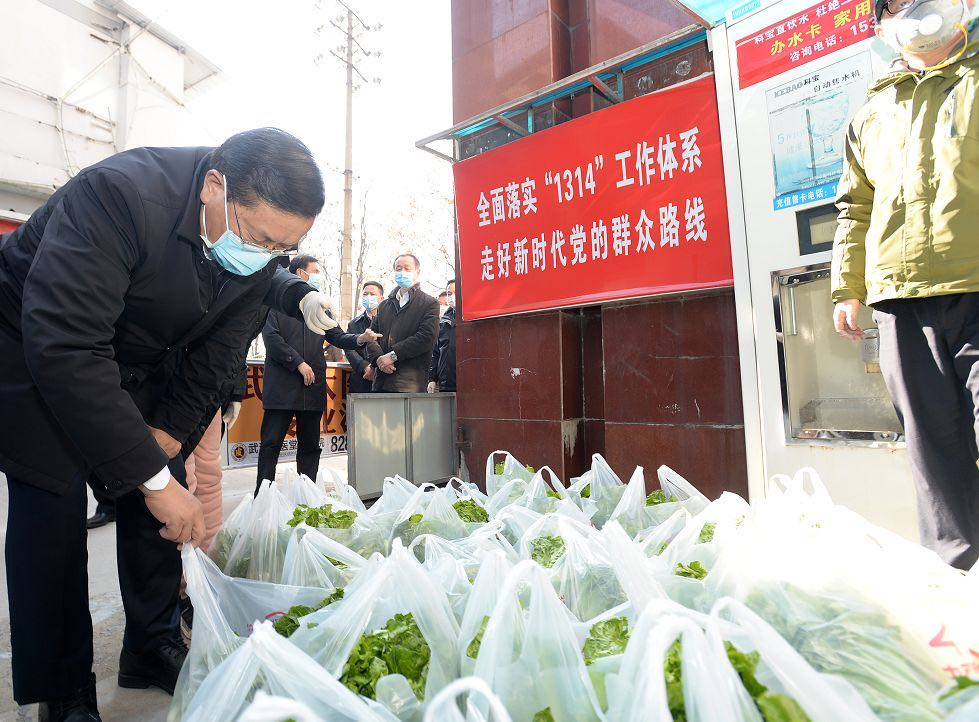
(100, 518)
(186, 619)
(156, 667)
(82, 706)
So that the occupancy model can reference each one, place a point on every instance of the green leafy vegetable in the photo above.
(337, 563)
(662, 548)
(322, 516)
(961, 684)
(855, 640)
(288, 623)
(472, 650)
(546, 550)
(544, 715)
(606, 638)
(415, 519)
(659, 497)
(553, 494)
(746, 665)
(585, 492)
(693, 570)
(707, 533)
(780, 708)
(396, 648)
(470, 511)
(673, 676)
(498, 469)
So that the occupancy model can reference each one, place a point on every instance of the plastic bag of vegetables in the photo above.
(315, 560)
(255, 545)
(529, 654)
(392, 636)
(499, 473)
(599, 486)
(270, 663)
(225, 609)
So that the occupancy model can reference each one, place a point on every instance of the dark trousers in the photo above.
(929, 356)
(275, 424)
(47, 585)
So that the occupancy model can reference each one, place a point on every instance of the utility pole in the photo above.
(346, 250)
(347, 54)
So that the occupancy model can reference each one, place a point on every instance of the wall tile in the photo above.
(711, 458)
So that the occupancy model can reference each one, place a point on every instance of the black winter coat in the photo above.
(411, 333)
(112, 319)
(356, 358)
(443, 370)
(288, 343)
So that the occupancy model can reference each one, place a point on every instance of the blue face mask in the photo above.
(369, 302)
(232, 253)
(316, 281)
(405, 279)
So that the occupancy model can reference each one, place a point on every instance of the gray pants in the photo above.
(929, 356)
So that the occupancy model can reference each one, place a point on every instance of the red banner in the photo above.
(801, 38)
(622, 203)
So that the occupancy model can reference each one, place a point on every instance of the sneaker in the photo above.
(156, 667)
(82, 706)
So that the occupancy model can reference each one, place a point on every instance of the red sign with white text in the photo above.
(622, 203)
(801, 38)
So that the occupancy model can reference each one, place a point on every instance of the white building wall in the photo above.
(71, 96)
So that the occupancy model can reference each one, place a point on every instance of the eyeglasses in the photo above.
(893, 7)
(258, 246)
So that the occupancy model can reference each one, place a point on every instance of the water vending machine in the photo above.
(789, 76)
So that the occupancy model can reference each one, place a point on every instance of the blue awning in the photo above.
(716, 12)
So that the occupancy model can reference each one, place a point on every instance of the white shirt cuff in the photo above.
(159, 480)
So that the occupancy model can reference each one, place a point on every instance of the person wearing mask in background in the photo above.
(361, 371)
(906, 245)
(443, 305)
(123, 303)
(408, 322)
(294, 384)
(442, 375)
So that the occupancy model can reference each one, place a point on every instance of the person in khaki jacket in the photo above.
(908, 246)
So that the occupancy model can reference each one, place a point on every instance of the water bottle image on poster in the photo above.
(808, 118)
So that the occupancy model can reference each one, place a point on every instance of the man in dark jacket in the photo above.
(294, 384)
(408, 321)
(361, 372)
(442, 375)
(124, 303)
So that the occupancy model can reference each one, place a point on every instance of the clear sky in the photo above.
(266, 50)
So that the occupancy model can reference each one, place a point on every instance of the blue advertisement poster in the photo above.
(808, 118)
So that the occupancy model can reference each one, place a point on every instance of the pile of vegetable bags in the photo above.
(541, 601)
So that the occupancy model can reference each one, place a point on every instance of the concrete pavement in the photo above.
(108, 617)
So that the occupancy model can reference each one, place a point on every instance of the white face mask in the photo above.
(926, 26)
(450, 300)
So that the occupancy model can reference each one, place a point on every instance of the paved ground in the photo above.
(107, 617)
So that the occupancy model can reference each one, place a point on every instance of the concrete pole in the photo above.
(346, 251)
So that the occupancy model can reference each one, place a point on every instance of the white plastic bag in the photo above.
(638, 693)
(300, 489)
(225, 609)
(272, 664)
(480, 604)
(384, 588)
(781, 668)
(638, 512)
(499, 473)
(258, 548)
(267, 708)
(315, 560)
(430, 511)
(445, 706)
(599, 486)
(529, 655)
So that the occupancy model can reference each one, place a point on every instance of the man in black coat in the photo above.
(294, 384)
(408, 321)
(125, 302)
(361, 372)
(442, 375)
